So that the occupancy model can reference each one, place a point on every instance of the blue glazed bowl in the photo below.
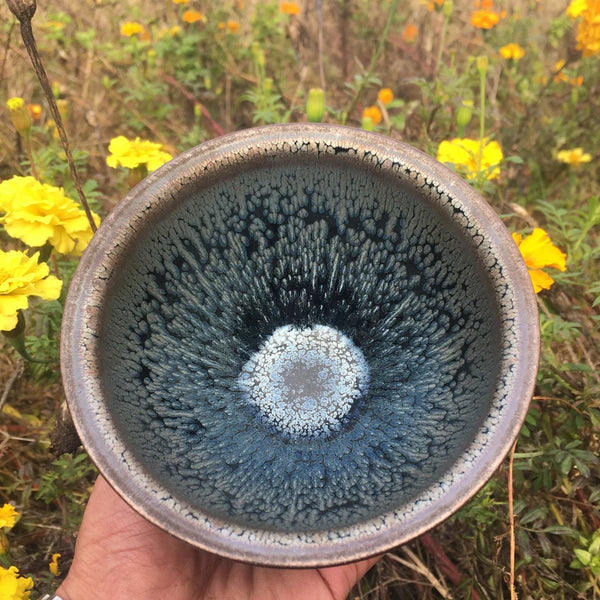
(300, 345)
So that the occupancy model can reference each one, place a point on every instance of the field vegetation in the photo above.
(506, 92)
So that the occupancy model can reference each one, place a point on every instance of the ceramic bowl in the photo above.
(300, 345)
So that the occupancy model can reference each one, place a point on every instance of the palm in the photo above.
(120, 555)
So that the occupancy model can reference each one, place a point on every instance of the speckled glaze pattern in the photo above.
(194, 307)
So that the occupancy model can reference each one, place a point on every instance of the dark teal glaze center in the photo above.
(301, 347)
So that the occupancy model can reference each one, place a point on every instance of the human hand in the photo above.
(121, 556)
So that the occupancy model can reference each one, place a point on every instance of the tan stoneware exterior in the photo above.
(160, 193)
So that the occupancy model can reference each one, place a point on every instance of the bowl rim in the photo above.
(92, 279)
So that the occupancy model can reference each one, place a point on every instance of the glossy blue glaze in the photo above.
(304, 246)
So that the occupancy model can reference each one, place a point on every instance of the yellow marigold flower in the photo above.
(36, 213)
(588, 32)
(181, 1)
(513, 51)
(14, 587)
(15, 103)
(133, 153)
(19, 115)
(574, 157)
(175, 30)
(130, 28)
(385, 95)
(22, 276)
(539, 253)
(8, 516)
(576, 8)
(373, 113)
(53, 564)
(463, 153)
(484, 19)
(409, 33)
(289, 8)
(191, 16)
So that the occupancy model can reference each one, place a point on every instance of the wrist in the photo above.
(69, 589)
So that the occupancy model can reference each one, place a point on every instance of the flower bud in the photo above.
(315, 105)
(464, 115)
(482, 64)
(22, 9)
(367, 123)
(447, 8)
(19, 115)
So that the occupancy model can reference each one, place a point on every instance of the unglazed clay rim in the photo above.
(453, 198)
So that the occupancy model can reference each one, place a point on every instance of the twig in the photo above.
(511, 525)
(24, 11)
(446, 566)
(217, 129)
(11, 380)
(6, 48)
(415, 564)
(320, 43)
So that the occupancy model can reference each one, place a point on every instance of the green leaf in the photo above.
(517, 160)
(584, 557)
(560, 530)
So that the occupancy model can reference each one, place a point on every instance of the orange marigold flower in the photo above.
(512, 51)
(385, 95)
(484, 19)
(588, 32)
(181, 1)
(289, 8)
(191, 16)
(539, 253)
(410, 33)
(373, 113)
(233, 26)
(35, 110)
(434, 4)
(131, 28)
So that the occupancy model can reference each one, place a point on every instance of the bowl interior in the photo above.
(301, 345)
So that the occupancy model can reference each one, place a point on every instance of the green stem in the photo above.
(441, 48)
(27, 138)
(374, 60)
